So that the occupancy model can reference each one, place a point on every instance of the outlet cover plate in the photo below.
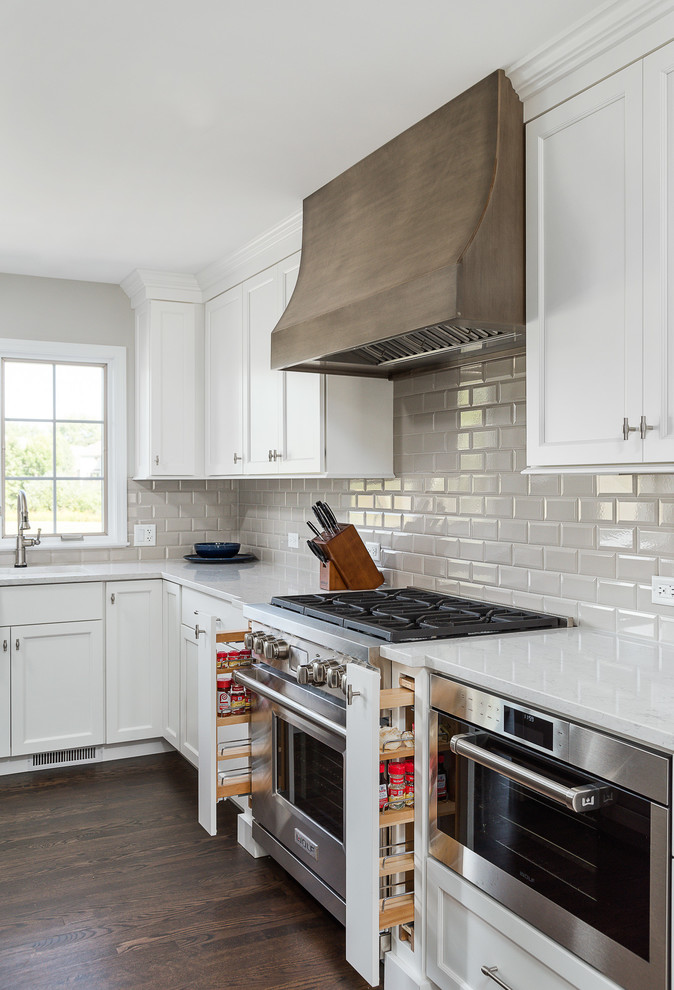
(374, 550)
(145, 535)
(293, 541)
(663, 591)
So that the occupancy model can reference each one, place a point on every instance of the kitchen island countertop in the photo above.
(622, 685)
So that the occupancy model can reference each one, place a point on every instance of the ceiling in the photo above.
(166, 134)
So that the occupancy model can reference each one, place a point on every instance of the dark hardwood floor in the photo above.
(107, 882)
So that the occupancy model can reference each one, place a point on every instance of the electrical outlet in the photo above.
(293, 540)
(663, 591)
(145, 535)
(374, 550)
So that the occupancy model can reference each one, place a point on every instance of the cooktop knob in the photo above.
(318, 668)
(335, 672)
(305, 673)
(248, 640)
(259, 639)
(276, 649)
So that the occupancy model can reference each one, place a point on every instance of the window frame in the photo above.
(115, 426)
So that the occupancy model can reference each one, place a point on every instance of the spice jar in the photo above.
(409, 783)
(224, 684)
(237, 699)
(396, 786)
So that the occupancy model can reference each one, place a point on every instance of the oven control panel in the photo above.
(308, 662)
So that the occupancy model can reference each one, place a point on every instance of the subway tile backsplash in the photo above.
(460, 517)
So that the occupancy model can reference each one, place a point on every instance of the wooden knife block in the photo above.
(350, 566)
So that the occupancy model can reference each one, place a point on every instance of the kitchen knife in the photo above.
(317, 552)
(330, 516)
(320, 515)
(313, 529)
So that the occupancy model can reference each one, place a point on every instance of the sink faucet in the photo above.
(23, 524)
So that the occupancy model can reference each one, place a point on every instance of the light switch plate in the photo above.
(145, 535)
(663, 591)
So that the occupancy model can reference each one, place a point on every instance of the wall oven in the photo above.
(567, 827)
(298, 744)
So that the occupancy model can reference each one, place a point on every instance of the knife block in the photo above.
(350, 566)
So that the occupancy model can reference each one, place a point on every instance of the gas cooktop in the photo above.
(402, 615)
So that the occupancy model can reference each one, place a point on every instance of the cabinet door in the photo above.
(173, 388)
(659, 254)
(57, 686)
(133, 667)
(584, 276)
(224, 383)
(303, 401)
(5, 700)
(189, 702)
(171, 604)
(362, 823)
(207, 725)
(262, 311)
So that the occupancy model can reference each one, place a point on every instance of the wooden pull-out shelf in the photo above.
(396, 698)
(235, 753)
(396, 911)
(235, 786)
(401, 753)
(401, 863)
(232, 720)
(398, 817)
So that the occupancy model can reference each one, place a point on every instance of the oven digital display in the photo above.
(531, 728)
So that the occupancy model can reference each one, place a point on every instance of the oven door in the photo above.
(596, 882)
(298, 757)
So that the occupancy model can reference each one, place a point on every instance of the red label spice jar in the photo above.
(224, 682)
(396, 786)
(409, 783)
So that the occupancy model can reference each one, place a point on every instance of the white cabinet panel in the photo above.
(584, 276)
(133, 660)
(189, 696)
(57, 686)
(169, 424)
(5, 698)
(171, 663)
(224, 383)
(659, 254)
(23, 605)
(262, 310)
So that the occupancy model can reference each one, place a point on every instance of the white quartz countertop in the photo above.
(248, 583)
(622, 685)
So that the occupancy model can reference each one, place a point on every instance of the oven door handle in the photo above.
(582, 798)
(288, 703)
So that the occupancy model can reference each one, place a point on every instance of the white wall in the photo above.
(73, 312)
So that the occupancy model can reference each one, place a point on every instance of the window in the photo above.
(62, 416)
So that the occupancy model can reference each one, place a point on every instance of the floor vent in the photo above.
(65, 757)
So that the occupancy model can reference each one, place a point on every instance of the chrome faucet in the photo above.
(23, 524)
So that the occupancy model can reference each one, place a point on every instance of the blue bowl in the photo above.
(217, 549)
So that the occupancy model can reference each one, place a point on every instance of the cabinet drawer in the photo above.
(468, 930)
(51, 603)
(230, 615)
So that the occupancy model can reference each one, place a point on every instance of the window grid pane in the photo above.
(59, 462)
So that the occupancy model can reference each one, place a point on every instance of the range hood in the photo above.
(416, 254)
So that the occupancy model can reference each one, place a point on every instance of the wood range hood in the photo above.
(414, 257)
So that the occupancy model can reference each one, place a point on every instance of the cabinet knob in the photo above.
(112, 599)
(16, 645)
(5, 646)
(237, 458)
(156, 460)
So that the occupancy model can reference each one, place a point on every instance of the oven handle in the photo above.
(271, 695)
(582, 798)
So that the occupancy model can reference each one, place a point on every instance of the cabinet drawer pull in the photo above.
(237, 458)
(112, 599)
(156, 460)
(491, 972)
(198, 631)
(16, 645)
(643, 429)
(627, 429)
(5, 646)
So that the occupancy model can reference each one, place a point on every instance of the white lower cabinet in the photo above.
(5, 698)
(171, 595)
(467, 930)
(57, 686)
(133, 660)
(188, 743)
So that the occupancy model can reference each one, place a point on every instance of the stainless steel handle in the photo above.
(643, 428)
(16, 644)
(198, 631)
(351, 694)
(237, 458)
(112, 599)
(156, 460)
(627, 429)
(583, 797)
(271, 695)
(491, 972)
(5, 646)
(274, 455)
(271, 454)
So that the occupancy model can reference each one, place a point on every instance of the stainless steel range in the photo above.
(304, 645)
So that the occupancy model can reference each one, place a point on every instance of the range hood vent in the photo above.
(414, 257)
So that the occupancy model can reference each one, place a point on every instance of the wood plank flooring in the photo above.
(107, 882)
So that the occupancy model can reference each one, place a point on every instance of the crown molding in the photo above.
(260, 253)
(595, 46)
(144, 284)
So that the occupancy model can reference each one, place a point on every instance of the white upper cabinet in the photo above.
(169, 352)
(224, 383)
(261, 311)
(584, 277)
